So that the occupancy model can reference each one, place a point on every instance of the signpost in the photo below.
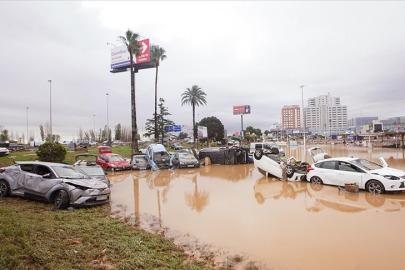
(241, 110)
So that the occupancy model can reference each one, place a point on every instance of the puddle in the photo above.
(232, 216)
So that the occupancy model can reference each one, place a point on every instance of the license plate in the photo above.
(102, 198)
(190, 166)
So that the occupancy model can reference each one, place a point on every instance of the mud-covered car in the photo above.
(57, 183)
(158, 157)
(185, 159)
(87, 163)
(139, 162)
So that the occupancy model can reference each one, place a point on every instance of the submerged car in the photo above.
(158, 157)
(185, 159)
(4, 151)
(58, 183)
(139, 162)
(88, 164)
(365, 174)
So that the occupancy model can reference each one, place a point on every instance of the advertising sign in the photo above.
(120, 55)
(202, 132)
(242, 109)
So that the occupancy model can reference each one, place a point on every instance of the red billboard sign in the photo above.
(144, 52)
(242, 109)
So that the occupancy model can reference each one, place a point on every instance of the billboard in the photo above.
(120, 55)
(202, 132)
(242, 109)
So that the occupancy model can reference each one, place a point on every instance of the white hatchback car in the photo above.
(367, 175)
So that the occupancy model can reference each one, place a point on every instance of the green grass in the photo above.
(35, 237)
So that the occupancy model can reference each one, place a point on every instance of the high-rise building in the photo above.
(325, 114)
(291, 117)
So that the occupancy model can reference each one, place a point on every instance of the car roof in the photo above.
(156, 147)
(339, 159)
(42, 163)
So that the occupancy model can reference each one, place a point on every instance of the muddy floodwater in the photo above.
(237, 217)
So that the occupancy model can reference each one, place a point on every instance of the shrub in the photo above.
(51, 152)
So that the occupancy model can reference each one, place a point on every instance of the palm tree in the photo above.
(158, 54)
(194, 96)
(131, 41)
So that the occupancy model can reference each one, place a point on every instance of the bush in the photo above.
(51, 152)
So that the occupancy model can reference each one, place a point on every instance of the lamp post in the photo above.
(27, 128)
(303, 120)
(94, 121)
(108, 126)
(50, 108)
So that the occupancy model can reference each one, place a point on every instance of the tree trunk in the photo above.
(194, 131)
(156, 128)
(134, 143)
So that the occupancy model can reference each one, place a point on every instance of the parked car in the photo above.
(158, 157)
(185, 159)
(4, 151)
(88, 164)
(110, 161)
(118, 142)
(367, 175)
(58, 183)
(176, 146)
(139, 162)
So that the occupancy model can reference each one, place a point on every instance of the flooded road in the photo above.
(233, 213)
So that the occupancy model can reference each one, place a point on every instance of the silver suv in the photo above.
(61, 184)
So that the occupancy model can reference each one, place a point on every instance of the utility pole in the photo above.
(303, 120)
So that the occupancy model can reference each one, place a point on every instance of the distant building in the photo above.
(291, 117)
(325, 114)
(359, 121)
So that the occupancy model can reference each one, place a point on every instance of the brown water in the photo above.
(218, 211)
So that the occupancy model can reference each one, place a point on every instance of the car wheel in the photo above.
(375, 186)
(4, 188)
(61, 200)
(258, 154)
(316, 180)
(289, 171)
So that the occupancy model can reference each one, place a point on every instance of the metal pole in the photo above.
(303, 120)
(94, 127)
(241, 126)
(27, 128)
(50, 108)
(108, 127)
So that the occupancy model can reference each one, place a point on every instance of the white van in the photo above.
(267, 146)
(36, 143)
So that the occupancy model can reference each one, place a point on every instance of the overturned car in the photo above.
(60, 184)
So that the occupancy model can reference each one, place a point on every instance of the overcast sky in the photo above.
(239, 53)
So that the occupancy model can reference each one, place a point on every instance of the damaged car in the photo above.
(57, 183)
(88, 164)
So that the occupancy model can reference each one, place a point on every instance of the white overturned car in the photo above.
(61, 184)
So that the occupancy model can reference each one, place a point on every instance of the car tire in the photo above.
(375, 186)
(258, 154)
(4, 188)
(289, 171)
(316, 180)
(61, 200)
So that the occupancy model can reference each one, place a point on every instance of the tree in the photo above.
(183, 135)
(4, 135)
(131, 41)
(51, 152)
(194, 96)
(41, 132)
(214, 126)
(117, 132)
(158, 54)
(161, 120)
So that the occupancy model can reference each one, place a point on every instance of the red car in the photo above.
(110, 161)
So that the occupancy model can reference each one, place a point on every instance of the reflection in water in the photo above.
(286, 225)
(197, 200)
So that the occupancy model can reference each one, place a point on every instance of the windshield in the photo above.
(116, 158)
(186, 155)
(69, 172)
(366, 164)
(93, 171)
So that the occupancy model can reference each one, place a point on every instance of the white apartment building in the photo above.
(325, 114)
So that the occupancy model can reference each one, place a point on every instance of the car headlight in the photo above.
(182, 163)
(113, 166)
(391, 177)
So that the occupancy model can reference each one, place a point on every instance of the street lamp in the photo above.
(94, 119)
(303, 121)
(27, 128)
(50, 107)
(108, 127)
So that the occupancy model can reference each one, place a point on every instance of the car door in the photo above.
(39, 181)
(101, 160)
(328, 173)
(349, 173)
